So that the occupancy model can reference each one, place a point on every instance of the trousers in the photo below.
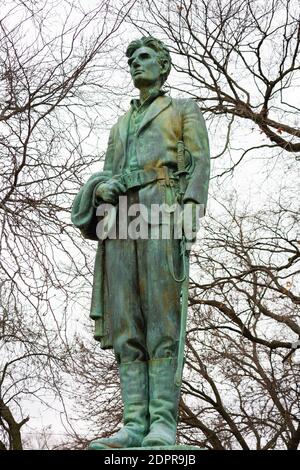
(144, 298)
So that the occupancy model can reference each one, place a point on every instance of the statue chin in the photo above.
(142, 82)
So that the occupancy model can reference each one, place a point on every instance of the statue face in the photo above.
(144, 67)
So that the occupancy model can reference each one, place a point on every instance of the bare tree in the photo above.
(239, 59)
(32, 356)
(242, 384)
(54, 60)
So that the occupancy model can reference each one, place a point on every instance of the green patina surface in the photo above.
(136, 297)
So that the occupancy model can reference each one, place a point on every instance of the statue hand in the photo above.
(110, 190)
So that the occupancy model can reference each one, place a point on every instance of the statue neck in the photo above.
(147, 91)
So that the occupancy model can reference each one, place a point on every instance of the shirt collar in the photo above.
(136, 104)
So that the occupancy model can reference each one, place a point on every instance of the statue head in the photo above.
(149, 61)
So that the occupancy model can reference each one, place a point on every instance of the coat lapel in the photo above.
(123, 127)
(155, 108)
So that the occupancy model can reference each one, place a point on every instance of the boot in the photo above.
(134, 388)
(164, 400)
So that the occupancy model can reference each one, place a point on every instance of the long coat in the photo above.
(165, 122)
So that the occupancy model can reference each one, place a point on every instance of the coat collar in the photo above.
(136, 104)
(155, 108)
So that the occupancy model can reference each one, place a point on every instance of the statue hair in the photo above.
(158, 46)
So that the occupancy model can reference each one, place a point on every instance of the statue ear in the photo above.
(164, 66)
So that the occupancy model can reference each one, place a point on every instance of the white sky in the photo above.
(255, 180)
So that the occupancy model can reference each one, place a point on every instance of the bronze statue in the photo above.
(158, 153)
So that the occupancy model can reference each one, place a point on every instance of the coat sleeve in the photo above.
(84, 206)
(83, 213)
(196, 143)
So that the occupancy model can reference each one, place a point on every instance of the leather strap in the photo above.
(139, 178)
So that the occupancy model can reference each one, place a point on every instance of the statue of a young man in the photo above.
(137, 290)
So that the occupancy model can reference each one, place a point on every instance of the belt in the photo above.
(138, 178)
